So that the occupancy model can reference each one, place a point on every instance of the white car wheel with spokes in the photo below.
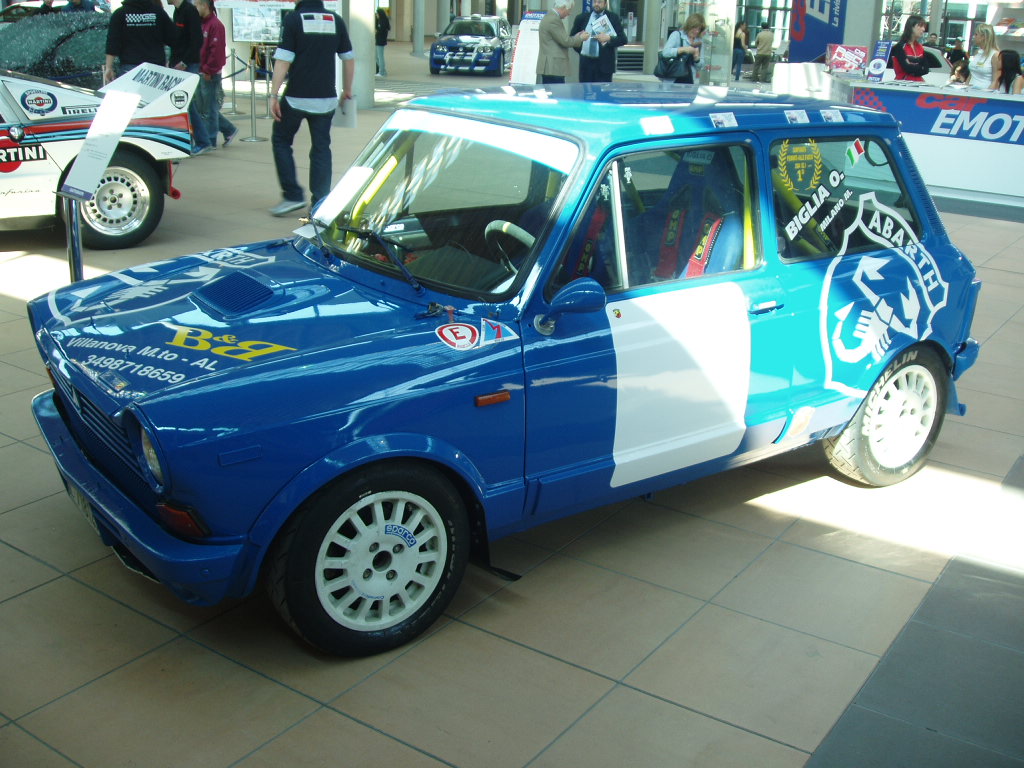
(893, 431)
(127, 206)
(372, 560)
(382, 559)
(900, 419)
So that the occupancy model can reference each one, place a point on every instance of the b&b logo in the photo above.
(38, 102)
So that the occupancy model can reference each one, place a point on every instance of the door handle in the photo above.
(765, 307)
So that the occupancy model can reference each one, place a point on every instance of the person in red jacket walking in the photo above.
(212, 57)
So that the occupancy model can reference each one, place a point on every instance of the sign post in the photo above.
(121, 98)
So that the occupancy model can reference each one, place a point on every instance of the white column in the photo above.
(418, 26)
(441, 16)
(935, 8)
(358, 16)
(864, 23)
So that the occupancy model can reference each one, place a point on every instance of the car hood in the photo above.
(171, 324)
(466, 40)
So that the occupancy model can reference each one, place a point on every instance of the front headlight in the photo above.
(484, 48)
(441, 49)
(150, 458)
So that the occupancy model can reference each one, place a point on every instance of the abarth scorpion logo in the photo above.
(897, 292)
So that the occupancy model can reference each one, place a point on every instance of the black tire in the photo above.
(435, 70)
(356, 591)
(128, 205)
(501, 64)
(894, 429)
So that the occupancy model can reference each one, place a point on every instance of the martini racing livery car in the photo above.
(650, 285)
(43, 126)
(473, 44)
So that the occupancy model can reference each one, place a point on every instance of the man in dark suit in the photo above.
(597, 54)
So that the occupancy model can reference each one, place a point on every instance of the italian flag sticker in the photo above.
(854, 151)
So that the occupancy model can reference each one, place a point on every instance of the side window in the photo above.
(592, 250)
(838, 196)
(668, 214)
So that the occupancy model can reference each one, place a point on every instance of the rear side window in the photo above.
(839, 196)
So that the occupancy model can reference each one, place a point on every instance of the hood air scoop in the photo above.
(234, 294)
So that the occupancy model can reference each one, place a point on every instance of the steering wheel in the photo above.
(500, 229)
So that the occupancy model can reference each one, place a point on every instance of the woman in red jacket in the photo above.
(212, 57)
(908, 54)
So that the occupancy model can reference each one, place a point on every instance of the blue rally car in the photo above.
(473, 44)
(649, 285)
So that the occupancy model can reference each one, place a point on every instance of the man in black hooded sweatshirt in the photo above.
(138, 32)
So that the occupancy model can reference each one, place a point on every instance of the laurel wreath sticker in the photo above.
(804, 161)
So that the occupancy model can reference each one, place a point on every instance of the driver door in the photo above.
(666, 381)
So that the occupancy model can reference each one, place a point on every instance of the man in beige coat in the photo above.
(555, 42)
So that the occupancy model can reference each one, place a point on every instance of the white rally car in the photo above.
(43, 126)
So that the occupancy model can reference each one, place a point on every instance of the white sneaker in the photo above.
(285, 207)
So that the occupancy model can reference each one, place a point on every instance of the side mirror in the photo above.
(582, 295)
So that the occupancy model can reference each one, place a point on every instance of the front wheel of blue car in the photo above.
(372, 561)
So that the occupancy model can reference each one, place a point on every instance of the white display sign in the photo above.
(111, 119)
(524, 59)
(142, 86)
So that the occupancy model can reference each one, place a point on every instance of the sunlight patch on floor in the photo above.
(939, 510)
(25, 275)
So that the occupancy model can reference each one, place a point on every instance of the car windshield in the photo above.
(41, 45)
(476, 27)
(447, 201)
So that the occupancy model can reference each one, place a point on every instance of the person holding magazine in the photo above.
(605, 35)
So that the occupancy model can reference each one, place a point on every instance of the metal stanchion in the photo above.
(252, 105)
(73, 229)
(232, 109)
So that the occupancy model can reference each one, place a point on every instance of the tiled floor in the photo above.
(731, 622)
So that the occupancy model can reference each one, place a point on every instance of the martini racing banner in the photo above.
(952, 115)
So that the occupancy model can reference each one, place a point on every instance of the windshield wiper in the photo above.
(390, 248)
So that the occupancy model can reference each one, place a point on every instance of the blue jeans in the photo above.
(738, 54)
(382, 67)
(200, 136)
(209, 98)
(281, 138)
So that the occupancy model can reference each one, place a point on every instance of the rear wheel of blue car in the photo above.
(127, 206)
(372, 561)
(895, 428)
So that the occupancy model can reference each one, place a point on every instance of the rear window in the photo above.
(838, 196)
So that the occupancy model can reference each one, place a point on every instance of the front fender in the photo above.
(502, 503)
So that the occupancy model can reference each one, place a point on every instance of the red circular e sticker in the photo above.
(458, 335)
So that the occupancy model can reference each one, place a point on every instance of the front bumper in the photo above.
(465, 61)
(201, 574)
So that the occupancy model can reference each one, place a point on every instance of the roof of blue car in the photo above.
(628, 110)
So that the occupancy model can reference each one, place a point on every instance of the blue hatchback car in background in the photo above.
(514, 306)
(473, 44)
